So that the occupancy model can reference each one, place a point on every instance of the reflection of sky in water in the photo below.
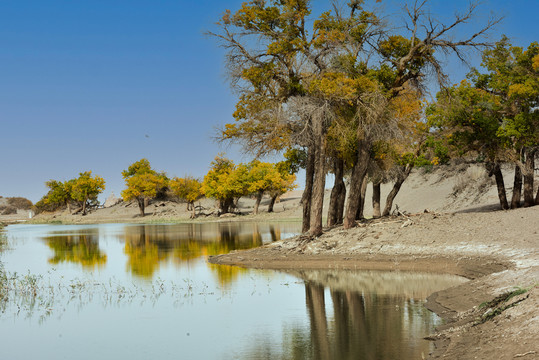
(155, 296)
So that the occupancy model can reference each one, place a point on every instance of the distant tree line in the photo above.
(226, 182)
(80, 192)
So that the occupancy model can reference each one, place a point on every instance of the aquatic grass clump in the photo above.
(3, 275)
(38, 295)
(3, 239)
(3, 282)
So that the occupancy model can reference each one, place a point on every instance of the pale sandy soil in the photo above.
(461, 233)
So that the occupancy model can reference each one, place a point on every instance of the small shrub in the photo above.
(474, 178)
(42, 206)
(9, 210)
(20, 203)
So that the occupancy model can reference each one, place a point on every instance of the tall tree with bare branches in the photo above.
(297, 77)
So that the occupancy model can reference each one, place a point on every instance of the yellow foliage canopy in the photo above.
(266, 177)
(143, 185)
(188, 188)
(86, 187)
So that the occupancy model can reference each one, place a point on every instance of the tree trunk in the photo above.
(396, 188)
(222, 204)
(306, 199)
(316, 307)
(517, 188)
(537, 197)
(193, 213)
(494, 169)
(273, 233)
(319, 183)
(376, 200)
(84, 207)
(257, 202)
(141, 204)
(338, 188)
(358, 173)
(340, 204)
(225, 205)
(528, 178)
(361, 209)
(272, 203)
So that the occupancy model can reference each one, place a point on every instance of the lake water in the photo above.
(117, 291)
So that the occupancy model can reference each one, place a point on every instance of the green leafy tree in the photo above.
(512, 77)
(143, 183)
(188, 189)
(494, 116)
(59, 195)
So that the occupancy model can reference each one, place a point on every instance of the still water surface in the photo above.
(116, 291)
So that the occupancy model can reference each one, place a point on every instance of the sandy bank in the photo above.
(498, 251)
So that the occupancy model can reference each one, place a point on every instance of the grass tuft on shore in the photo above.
(501, 303)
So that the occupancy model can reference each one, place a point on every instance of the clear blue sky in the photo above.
(96, 85)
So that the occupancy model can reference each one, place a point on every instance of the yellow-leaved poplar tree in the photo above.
(143, 183)
(86, 188)
(188, 189)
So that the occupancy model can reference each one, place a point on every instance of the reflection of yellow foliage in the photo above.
(226, 274)
(146, 246)
(143, 260)
(80, 249)
(189, 250)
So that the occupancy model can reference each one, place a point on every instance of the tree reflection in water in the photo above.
(366, 326)
(81, 249)
(146, 246)
(361, 322)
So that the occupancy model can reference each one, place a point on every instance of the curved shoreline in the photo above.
(497, 251)
(258, 259)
